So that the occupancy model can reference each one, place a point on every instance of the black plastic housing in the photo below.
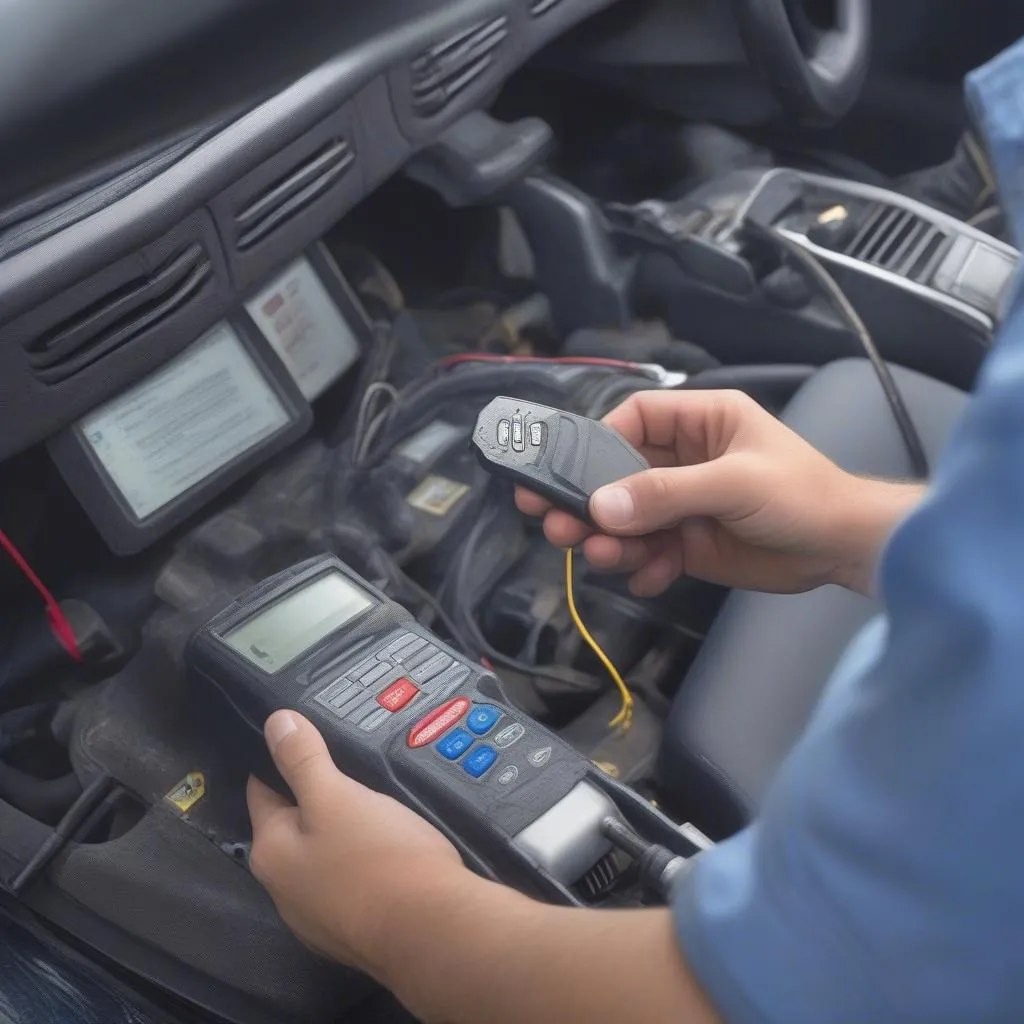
(562, 456)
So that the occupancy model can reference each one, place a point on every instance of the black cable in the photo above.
(64, 832)
(419, 401)
(424, 595)
(464, 610)
(376, 373)
(658, 866)
(843, 306)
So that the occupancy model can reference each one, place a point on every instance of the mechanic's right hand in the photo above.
(735, 497)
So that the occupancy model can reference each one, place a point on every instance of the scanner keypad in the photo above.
(399, 675)
(410, 672)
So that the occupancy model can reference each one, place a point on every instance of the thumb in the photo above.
(301, 755)
(661, 498)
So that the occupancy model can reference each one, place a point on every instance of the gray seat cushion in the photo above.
(761, 670)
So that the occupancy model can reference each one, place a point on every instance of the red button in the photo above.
(439, 721)
(397, 695)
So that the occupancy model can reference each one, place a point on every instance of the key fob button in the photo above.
(518, 439)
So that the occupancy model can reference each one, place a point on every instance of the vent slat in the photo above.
(866, 228)
(929, 260)
(897, 235)
(456, 84)
(539, 7)
(911, 243)
(291, 193)
(119, 317)
(898, 240)
(448, 68)
(875, 242)
(599, 879)
(924, 243)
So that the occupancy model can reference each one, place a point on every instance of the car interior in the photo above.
(261, 267)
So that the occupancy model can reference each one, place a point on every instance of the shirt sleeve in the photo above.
(763, 919)
(882, 882)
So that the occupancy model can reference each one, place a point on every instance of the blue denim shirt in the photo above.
(884, 880)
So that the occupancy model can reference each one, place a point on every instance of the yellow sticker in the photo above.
(611, 770)
(833, 215)
(437, 495)
(187, 793)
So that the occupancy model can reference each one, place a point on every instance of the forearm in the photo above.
(871, 513)
(470, 951)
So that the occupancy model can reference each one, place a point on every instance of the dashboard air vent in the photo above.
(450, 67)
(290, 193)
(539, 7)
(120, 316)
(897, 240)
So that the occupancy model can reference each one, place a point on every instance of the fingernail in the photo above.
(279, 725)
(613, 506)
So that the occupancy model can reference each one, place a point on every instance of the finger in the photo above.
(695, 425)
(663, 458)
(274, 821)
(531, 504)
(630, 419)
(301, 756)
(661, 498)
(616, 554)
(264, 804)
(564, 530)
(657, 576)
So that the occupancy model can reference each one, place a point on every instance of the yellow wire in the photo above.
(625, 715)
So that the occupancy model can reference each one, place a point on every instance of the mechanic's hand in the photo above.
(735, 497)
(339, 864)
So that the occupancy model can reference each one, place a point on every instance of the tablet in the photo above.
(144, 461)
(304, 325)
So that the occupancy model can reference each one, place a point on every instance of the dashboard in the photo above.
(103, 282)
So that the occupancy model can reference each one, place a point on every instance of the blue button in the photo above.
(482, 718)
(455, 744)
(480, 760)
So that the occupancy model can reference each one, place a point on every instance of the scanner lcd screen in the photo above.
(277, 636)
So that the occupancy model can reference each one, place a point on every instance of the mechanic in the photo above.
(881, 881)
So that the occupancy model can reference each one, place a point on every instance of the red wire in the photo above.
(475, 357)
(58, 620)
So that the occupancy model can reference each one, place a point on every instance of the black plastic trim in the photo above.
(306, 183)
(351, 96)
(35, 402)
(90, 244)
(443, 73)
(86, 337)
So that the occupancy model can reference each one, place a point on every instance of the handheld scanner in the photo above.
(408, 716)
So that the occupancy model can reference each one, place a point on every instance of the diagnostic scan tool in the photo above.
(409, 716)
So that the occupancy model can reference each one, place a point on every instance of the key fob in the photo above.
(561, 456)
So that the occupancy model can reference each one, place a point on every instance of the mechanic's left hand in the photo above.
(346, 859)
